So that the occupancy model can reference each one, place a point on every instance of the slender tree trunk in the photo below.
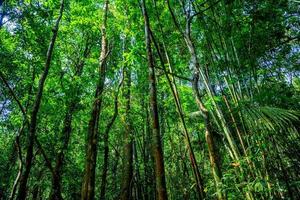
(250, 164)
(56, 175)
(88, 186)
(199, 181)
(33, 118)
(127, 178)
(199, 72)
(106, 145)
(105, 165)
(16, 146)
(148, 159)
(14, 188)
(66, 132)
(213, 152)
(161, 189)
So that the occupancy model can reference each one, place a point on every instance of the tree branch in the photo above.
(2, 77)
(48, 162)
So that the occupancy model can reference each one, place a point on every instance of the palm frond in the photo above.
(266, 118)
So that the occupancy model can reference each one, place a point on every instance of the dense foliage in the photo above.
(149, 99)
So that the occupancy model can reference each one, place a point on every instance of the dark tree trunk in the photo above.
(33, 118)
(88, 186)
(161, 189)
(67, 129)
(175, 94)
(149, 185)
(127, 178)
(106, 146)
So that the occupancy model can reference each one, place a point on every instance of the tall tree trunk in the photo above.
(149, 185)
(33, 117)
(106, 145)
(14, 188)
(199, 72)
(213, 152)
(88, 186)
(66, 131)
(127, 178)
(16, 147)
(172, 84)
(161, 189)
(56, 175)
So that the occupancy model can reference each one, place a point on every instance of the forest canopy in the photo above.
(149, 99)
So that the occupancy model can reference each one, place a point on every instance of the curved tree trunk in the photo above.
(106, 145)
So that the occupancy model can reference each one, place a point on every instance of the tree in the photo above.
(156, 140)
(88, 186)
(35, 109)
(187, 99)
